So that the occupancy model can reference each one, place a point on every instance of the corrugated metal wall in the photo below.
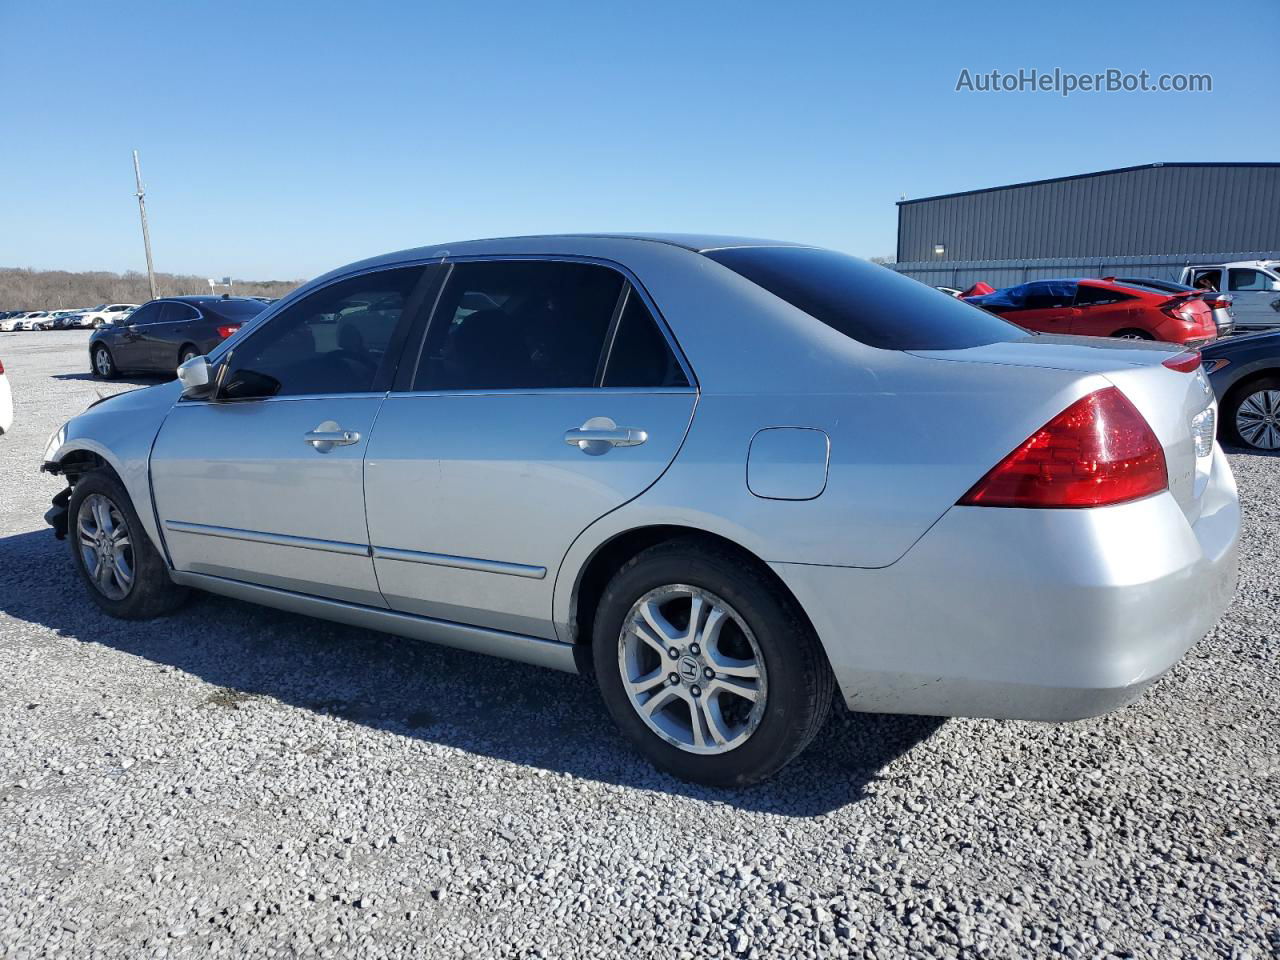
(1148, 211)
(1004, 273)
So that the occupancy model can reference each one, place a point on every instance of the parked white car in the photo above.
(1253, 284)
(6, 403)
(106, 313)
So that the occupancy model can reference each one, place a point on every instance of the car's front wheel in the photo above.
(707, 665)
(1252, 415)
(125, 574)
(103, 364)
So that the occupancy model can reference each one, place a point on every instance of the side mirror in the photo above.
(1275, 286)
(196, 377)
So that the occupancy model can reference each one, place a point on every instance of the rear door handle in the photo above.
(600, 435)
(329, 435)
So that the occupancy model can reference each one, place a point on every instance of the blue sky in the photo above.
(279, 140)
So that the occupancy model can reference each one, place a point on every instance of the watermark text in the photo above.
(1065, 83)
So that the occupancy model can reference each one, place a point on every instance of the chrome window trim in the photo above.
(545, 391)
(614, 265)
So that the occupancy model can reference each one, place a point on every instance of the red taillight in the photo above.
(1098, 451)
(1, 366)
(1186, 362)
(228, 330)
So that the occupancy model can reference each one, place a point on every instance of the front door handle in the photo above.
(600, 435)
(329, 435)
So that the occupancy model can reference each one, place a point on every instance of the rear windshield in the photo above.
(870, 304)
(236, 309)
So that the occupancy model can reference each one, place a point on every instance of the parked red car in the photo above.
(1104, 308)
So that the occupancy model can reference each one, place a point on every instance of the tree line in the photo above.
(26, 289)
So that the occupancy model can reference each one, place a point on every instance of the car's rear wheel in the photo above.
(1252, 414)
(1133, 334)
(103, 364)
(707, 665)
(188, 352)
(125, 574)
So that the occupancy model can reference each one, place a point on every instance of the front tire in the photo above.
(708, 666)
(1251, 415)
(104, 366)
(125, 574)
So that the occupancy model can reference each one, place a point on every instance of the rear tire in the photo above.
(1257, 400)
(124, 572)
(104, 367)
(1133, 334)
(744, 693)
(188, 352)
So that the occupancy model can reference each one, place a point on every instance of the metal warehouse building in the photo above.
(1150, 221)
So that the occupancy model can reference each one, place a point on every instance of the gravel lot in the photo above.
(234, 781)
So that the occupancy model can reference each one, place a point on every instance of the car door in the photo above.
(1047, 307)
(128, 341)
(264, 482)
(1101, 311)
(545, 394)
(161, 340)
(1256, 298)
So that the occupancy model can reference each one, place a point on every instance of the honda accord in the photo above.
(727, 477)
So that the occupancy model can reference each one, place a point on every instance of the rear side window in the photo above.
(640, 355)
(865, 302)
(1245, 280)
(177, 312)
(1088, 296)
(519, 325)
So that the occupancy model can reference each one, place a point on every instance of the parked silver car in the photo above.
(728, 476)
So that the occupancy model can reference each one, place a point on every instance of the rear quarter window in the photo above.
(868, 303)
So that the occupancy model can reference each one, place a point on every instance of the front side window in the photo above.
(519, 325)
(1050, 294)
(337, 340)
(871, 304)
(1207, 280)
(147, 313)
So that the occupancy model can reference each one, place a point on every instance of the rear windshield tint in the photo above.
(870, 304)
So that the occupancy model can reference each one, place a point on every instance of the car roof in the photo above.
(198, 299)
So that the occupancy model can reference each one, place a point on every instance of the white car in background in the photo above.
(6, 403)
(106, 313)
(1254, 286)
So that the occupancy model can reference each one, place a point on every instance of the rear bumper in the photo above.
(1028, 614)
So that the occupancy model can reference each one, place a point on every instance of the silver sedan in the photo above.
(732, 478)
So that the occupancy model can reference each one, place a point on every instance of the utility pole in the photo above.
(146, 235)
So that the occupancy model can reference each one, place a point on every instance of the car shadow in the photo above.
(538, 718)
(135, 379)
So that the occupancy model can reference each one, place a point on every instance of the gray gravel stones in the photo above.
(237, 782)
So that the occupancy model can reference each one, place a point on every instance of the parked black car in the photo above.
(161, 334)
(1245, 374)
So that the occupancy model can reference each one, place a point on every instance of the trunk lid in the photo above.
(1172, 402)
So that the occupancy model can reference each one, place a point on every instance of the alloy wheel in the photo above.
(105, 546)
(692, 669)
(1258, 420)
(102, 361)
